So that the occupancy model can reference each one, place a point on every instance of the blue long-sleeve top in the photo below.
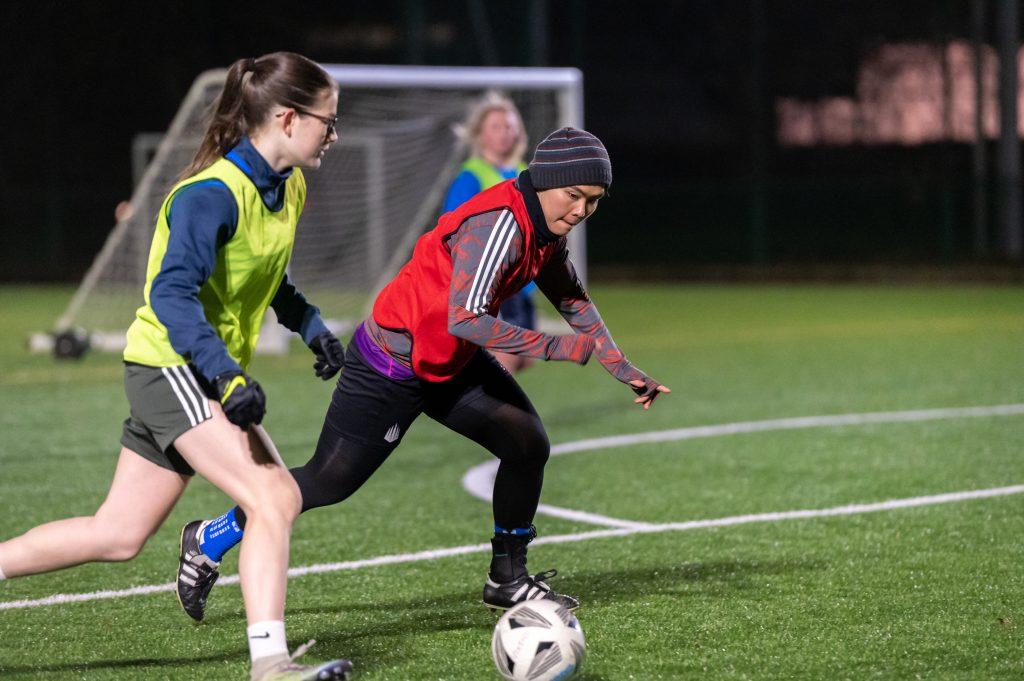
(203, 217)
(465, 186)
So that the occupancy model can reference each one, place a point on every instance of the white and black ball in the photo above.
(538, 640)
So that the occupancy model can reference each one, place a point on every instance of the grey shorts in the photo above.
(165, 403)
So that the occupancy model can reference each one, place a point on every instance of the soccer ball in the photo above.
(538, 640)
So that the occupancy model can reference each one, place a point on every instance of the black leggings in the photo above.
(369, 414)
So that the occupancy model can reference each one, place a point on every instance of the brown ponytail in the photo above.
(253, 87)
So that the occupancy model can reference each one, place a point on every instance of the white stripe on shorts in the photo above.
(186, 388)
(172, 379)
(203, 401)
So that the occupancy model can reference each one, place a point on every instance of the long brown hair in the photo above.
(253, 87)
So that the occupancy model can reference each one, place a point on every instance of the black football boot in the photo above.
(509, 583)
(196, 572)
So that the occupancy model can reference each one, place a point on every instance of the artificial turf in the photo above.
(928, 592)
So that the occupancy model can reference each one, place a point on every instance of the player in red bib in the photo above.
(421, 351)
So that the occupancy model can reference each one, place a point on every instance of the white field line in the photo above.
(638, 528)
(434, 554)
(479, 480)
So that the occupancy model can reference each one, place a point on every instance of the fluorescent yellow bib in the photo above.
(486, 174)
(247, 274)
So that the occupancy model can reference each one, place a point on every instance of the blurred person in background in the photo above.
(497, 140)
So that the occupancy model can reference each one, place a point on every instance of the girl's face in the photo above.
(566, 207)
(312, 131)
(499, 133)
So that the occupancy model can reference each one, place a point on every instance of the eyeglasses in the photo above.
(330, 121)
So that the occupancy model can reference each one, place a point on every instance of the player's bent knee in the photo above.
(288, 498)
(537, 448)
(276, 493)
(275, 504)
(327, 486)
(275, 519)
(530, 448)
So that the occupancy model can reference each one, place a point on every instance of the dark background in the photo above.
(681, 93)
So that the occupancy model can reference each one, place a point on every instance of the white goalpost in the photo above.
(379, 188)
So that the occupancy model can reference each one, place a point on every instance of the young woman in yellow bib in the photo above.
(223, 239)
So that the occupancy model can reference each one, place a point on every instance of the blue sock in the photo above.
(219, 535)
(515, 531)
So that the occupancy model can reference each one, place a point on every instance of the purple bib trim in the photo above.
(379, 359)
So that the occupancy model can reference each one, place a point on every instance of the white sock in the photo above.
(2, 575)
(266, 639)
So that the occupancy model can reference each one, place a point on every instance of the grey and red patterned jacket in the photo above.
(443, 304)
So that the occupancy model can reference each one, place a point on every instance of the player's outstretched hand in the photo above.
(648, 390)
(330, 355)
(241, 397)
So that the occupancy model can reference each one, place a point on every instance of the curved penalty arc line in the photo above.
(479, 480)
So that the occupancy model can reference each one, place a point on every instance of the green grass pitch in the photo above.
(931, 592)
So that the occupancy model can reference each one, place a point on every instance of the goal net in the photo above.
(378, 189)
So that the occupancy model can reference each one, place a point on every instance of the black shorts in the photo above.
(372, 409)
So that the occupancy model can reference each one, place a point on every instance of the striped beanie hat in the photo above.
(569, 156)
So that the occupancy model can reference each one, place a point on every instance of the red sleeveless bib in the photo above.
(416, 300)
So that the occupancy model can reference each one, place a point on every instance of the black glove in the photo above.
(330, 355)
(241, 397)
